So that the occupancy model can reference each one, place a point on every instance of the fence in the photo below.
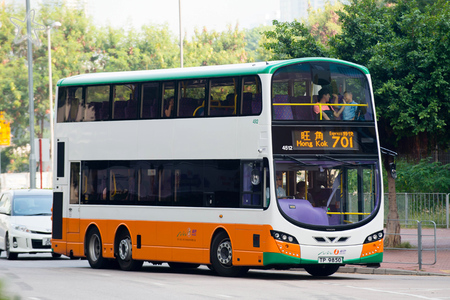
(421, 245)
(421, 207)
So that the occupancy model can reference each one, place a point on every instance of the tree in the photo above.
(291, 40)
(216, 48)
(324, 23)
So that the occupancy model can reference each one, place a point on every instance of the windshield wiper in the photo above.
(297, 160)
(40, 214)
(320, 156)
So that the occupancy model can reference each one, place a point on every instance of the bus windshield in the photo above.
(321, 91)
(327, 192)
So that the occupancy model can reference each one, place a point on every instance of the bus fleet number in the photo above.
(287, 148)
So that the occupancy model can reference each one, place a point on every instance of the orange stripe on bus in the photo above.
(175, 241)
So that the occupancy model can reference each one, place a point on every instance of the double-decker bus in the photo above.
(261, 165)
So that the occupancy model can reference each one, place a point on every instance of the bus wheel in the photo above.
(124, 253)
(222, 257)
(94, 250)
(321, 270)
(9, 255)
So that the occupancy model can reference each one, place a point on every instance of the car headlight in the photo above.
(22, 228)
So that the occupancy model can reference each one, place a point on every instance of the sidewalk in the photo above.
(406, 262)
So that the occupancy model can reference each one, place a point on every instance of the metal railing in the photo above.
(420, 244)
(421, 207)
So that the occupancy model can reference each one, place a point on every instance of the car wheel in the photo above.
(56, 255)
(221, 256)
(9, 255)
(94, 250)
(124, 253)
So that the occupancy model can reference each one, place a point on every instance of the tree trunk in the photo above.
(393, 238)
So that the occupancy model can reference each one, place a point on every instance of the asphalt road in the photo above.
(40, 277)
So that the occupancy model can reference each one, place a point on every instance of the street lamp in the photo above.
(50, 88)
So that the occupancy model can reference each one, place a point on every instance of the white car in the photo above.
(25, 222)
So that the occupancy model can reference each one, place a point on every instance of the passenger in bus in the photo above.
(328, 113)
(168, 110)
(348, 112)
(280, 190)
(301, 192)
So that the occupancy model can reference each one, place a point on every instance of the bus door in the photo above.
(73, 213)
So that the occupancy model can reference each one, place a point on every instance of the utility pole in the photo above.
(31, 100)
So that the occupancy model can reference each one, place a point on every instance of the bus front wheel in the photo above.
(321, 270)
(222, 257)
(124, 253)
(94, 250)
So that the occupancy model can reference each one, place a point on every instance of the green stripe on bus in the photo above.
(271, 258)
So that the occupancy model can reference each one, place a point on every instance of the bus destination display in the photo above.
(324, 140)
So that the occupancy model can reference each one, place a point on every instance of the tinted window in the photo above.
(169, 103)
(150, 100)
(195, 183)
(224, 96)
(321, 91)
(124, 102)
(74, 182)
(191, 97)
(70, 104)
(97, 103)
(251, 97)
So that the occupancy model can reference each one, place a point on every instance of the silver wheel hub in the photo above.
(224, 253)
(94, 247)
(125, 249)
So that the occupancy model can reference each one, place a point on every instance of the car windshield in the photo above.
(32, 205)
(327, 192)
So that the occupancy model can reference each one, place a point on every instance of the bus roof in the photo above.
(191, 73)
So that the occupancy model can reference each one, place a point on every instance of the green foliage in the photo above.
(412, 178)
(216, 48)
(293, 40)
(324, 23)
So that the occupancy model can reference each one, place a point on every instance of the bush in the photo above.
(425, 177)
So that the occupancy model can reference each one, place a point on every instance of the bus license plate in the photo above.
(331, 259)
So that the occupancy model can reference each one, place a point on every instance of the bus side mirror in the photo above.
(393, 170)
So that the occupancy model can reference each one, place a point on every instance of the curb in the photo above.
(383, 271)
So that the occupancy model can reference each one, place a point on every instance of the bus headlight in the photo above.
(374, 237)
(281, 236)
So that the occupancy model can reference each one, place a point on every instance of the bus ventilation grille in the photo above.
(331, 239)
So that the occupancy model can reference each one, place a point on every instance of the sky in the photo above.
(212, 14)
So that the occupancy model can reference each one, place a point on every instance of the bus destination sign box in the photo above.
(324, 140)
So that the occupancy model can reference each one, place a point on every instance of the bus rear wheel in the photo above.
(321, 270)
(124, 253)
(222, 257)
(94, 250)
